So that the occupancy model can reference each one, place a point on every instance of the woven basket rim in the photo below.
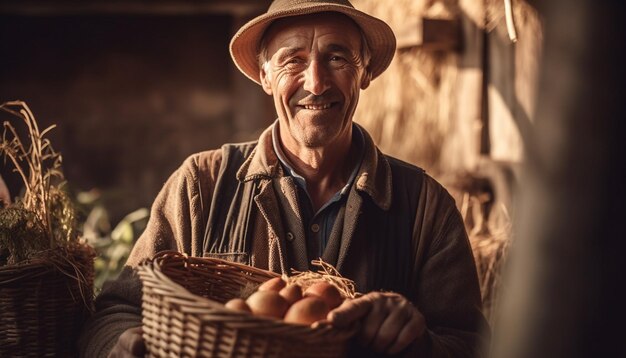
(152, 267)
(39, 264)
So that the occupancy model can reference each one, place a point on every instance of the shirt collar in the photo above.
(373, 176)
(357, 137)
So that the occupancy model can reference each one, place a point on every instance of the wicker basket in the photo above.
(43, 308)
(184, 315)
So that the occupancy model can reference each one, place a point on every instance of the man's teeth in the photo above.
(317, 107)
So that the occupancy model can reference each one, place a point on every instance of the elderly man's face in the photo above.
(314, 73)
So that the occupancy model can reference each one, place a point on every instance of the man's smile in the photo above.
(317, 107)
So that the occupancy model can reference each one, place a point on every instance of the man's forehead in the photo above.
(291, 30)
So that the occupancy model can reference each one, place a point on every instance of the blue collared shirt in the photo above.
(318, 225)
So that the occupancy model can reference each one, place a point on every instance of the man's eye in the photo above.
(336, 58)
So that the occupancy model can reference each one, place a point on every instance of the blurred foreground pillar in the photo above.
(563, 296)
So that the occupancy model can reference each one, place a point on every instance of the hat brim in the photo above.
(244, 46)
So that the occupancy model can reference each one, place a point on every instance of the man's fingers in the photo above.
(374, 320)
(411, 331)
(349, 311)
(391, 323)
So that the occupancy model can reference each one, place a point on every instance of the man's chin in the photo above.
(315, 138)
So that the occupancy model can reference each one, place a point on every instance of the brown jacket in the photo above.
(399, 230)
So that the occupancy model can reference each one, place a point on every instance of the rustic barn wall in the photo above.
(441, 109)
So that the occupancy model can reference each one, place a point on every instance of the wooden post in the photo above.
(564, 295)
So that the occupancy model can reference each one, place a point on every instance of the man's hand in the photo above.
(130, 344)
(389, 321)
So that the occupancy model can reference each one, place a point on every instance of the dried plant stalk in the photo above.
(44, 217)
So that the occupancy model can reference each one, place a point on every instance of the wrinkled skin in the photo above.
(314, 61)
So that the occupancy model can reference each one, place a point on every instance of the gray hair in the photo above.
(366, 54)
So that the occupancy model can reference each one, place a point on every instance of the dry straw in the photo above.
(326, 273)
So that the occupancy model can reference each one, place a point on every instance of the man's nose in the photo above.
(316, 78)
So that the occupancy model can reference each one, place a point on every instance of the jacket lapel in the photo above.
(268, 207)
(292, 215)
(373, 179)
(354, 207)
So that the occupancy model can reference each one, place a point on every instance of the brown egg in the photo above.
(324, 290)
(273, 284)
(267, 304)
(291, 293)
(306, 311)
(238, 304)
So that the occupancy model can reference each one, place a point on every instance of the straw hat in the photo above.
(244, 46)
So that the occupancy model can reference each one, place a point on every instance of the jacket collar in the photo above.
(373, 178)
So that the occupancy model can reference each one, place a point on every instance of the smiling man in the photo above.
(313, 67)
(315, 185)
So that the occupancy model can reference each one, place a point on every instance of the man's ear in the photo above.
(366, 78)
(265, 81)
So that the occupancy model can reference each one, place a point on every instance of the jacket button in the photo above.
(289, 237)
(315, 228)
